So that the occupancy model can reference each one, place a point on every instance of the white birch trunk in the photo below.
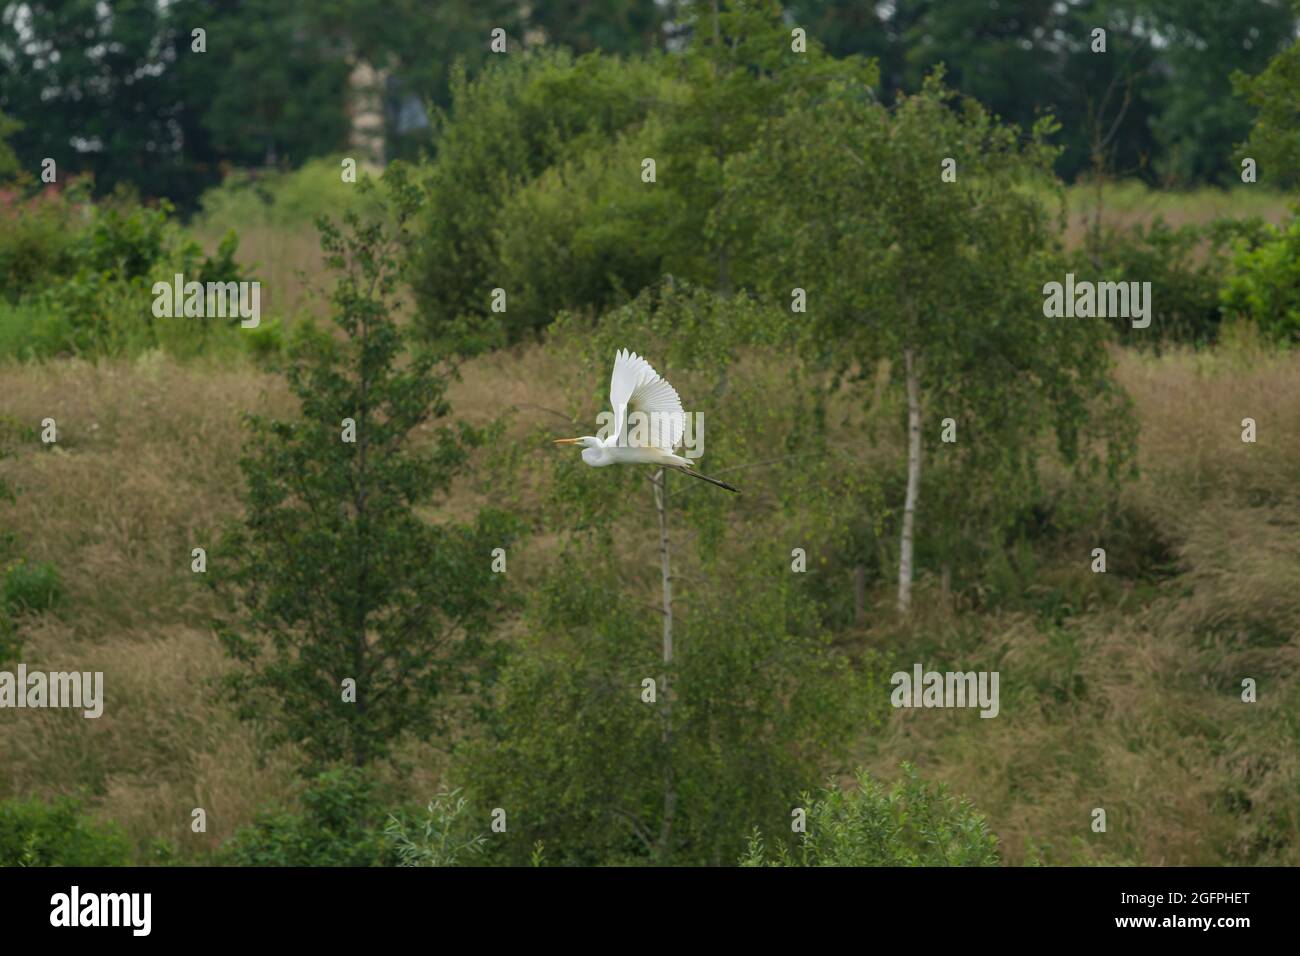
(913, 481)
(670, 785)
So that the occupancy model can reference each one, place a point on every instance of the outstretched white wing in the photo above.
(634, 388)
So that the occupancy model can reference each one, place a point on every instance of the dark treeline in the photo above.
(117, 88)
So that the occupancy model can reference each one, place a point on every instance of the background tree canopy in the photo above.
(117, 89)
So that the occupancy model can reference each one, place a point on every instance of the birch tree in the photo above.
(921, 237)
(669, 681)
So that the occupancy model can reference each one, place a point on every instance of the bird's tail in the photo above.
(713, 481)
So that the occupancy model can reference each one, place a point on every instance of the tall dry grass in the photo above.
(144, 470)
(1137, 709)
(1127, 205)
(1133, 706)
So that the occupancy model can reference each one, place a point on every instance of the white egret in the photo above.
(635, 387)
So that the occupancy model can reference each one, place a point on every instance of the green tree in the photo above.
(587, 232)
(941, 278)
(1162, 84)
(129, 100)
(272, 87)
(337, 574)
(504, 129)
(735, 74)
(625, 27)
(1019, 60)
(416, 48)
(1274, 141)
(106, 104)
(1205, 43)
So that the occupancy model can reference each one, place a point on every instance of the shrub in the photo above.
(29, 330)
(441, 839)
(911, 824)
(1185, 267)
(265, 343)
(1264, 282)
(584, 235)
(31, 586)
(89, 313)
(93, 294)
(334, 828)
(34, 833)
(38, 240)
(124, 240)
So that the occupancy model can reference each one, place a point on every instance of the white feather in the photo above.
(635, 387)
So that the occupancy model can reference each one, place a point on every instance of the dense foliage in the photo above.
(336, 826)
(1262, 286)
(57, 833)
(132, 100)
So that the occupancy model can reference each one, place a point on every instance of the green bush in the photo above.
(38, 240)
(31, 586)
(1264, 283)
(34, 833)
(98, 298)
(336, 827)
(266, 342)
(89, 313)
(911, 824)
(1185, 266)
(442, 838)
(28, 330)
(124, 240)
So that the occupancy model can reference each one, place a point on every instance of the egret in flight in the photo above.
(635, 387)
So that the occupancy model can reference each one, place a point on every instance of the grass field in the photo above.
(1130, 702)
(1121, 691)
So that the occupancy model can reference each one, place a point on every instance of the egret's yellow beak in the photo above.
(567, 441)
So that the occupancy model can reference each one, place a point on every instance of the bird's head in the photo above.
(593, 449)
(586, 441)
